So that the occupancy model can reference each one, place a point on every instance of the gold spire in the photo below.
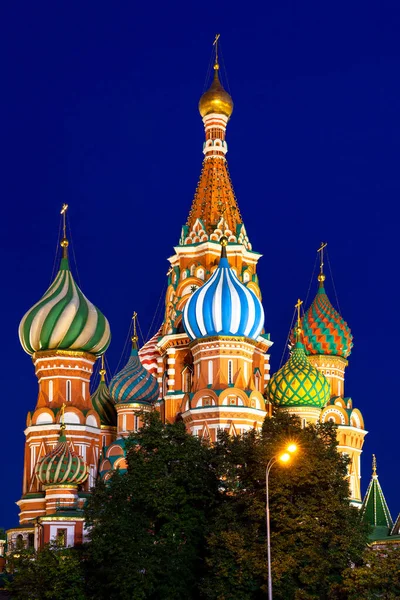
(321, 276)
(216, 99)
(102, 370)
(134, 337)
(374, 466)
(64, 242)
(298, 326)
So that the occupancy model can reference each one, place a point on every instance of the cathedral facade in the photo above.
(208, 364)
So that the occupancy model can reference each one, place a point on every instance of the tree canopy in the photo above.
(187, 521)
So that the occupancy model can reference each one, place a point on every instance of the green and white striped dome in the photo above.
(64, 319)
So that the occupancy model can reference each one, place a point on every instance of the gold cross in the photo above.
(321, 250)
(62, 414)
(299, 303)
(134, 338)
(215, 43)
(64, 214)
(373, 464)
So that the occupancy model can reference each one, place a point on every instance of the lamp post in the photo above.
(284, 458)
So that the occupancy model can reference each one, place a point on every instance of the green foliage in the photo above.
(149, 525)
(315, 532)
(50, 573)
(378, 576)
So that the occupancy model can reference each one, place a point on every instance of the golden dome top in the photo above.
(216, 99)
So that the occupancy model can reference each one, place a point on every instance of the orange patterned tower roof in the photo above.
(214, 200)
(215, 212)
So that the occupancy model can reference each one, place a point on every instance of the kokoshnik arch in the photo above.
(208, 364)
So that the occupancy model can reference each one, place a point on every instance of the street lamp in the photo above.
(283, 458)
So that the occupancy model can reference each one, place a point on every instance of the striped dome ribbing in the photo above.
(62, 466)
(134, 384)
(223, 306)
(64, 319)
(104, 406)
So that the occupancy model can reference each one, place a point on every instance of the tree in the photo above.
(378, 576)
(49, 573)
(316, 534)
(148, 526)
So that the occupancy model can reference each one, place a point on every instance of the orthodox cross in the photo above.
(62, 413)
(321, 251)
(64, 214)
(102, 370)
(215, 43)
(134, 338)
(299, 303)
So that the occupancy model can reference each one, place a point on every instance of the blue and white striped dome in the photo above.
(223, 306)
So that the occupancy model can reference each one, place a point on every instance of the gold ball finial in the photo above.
(321, 278)
(64, 243)
(223, 241)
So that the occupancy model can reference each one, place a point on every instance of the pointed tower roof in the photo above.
(215, 212)
(375, 510)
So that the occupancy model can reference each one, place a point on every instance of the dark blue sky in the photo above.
(99, 110)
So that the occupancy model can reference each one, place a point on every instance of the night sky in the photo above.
(99, 110)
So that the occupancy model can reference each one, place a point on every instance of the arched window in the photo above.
(123, 422)
(51, 390)
(186, 379)
(230, 372)
(83, 390)
(68, 391)
(210, 372)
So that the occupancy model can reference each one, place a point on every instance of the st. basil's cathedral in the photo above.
(208, 363)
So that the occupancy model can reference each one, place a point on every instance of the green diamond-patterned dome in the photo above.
(298, 383)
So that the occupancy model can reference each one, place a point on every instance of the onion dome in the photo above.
(102, 401)
(62, 466)
(64, 319)
(324, 330)
(216, 99)
(223, 306)
(134, 384)
(298, 383)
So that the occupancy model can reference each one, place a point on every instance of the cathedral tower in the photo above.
(214, 216)
(64, 333)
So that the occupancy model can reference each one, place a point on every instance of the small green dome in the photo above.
(62, 466)
(104, 405)
(298, 383)
(64, 319)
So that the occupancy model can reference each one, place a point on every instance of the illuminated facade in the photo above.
(208, 364)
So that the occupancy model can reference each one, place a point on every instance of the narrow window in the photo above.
(68, 394)
(136, 423)
(230, 369)
(304, 423)
(83, 390)
(210, 372)
(123, 422)
(51, 388)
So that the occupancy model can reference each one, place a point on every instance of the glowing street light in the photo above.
(283, 458)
